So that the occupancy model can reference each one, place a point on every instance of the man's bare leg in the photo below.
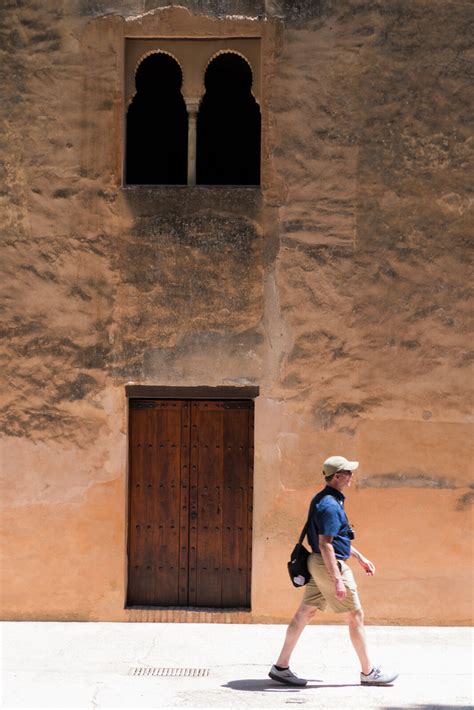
(359, 641)
(295, 628)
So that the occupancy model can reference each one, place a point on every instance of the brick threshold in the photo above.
(183, 616)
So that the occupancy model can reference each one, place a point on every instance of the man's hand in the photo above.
(340, 589)
(367, 565)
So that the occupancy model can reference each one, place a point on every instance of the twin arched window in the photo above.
(164, 145)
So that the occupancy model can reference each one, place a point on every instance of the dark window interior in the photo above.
(228, 127)
(157, 125)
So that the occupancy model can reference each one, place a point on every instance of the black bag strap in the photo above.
(303, 532)
(305, 529)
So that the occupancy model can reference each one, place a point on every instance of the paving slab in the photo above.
(91, 665)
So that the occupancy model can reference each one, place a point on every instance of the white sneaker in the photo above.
(377, 677)
(287, 677)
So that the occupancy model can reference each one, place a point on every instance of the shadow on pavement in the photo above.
(260, 684)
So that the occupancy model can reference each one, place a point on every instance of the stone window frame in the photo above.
(193, 55)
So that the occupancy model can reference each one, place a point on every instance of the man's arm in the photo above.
(329, 559)
(366, 564)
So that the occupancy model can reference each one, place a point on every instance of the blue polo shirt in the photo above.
(328, 517)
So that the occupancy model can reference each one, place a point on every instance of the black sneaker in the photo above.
(287, 677)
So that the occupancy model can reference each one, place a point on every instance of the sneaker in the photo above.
(377, 677)
(287, 677)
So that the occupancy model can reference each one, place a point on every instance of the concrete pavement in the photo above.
(90, 665)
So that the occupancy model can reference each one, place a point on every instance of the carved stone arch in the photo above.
(219, 53)
(193, 63)
(229, 123)
(140, 62)
(157, 122)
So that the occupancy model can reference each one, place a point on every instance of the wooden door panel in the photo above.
(235, 508)
(190, 503)
(209, 418)
(184, 505)
(164, 489)
(139, 584)
(154, 533)
(222, 485)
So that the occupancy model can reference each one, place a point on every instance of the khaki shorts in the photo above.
(320, 590)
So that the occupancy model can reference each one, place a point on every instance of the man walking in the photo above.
(329, 535)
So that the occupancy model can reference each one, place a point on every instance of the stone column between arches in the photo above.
(192, 107)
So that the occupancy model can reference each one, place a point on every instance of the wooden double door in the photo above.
(190, 503)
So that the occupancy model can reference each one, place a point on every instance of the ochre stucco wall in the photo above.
(340, 288)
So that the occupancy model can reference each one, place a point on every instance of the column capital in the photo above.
(192, 104)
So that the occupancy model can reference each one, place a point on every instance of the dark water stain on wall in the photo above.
(327, 414)
(400, 479)
(76, 389)
(465, 501)
(217, 8)
(191, 270)
(48, 371)
(236, 354)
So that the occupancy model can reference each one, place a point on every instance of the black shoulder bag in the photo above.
(298, 564)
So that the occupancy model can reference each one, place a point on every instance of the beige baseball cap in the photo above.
(338, 463)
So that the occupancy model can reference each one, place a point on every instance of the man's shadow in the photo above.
(269, 686)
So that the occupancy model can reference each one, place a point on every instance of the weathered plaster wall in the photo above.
(341, 288)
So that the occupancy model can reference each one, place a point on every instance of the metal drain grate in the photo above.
(170, 672)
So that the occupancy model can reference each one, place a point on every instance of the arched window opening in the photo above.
(228, 126)
(157, 125)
